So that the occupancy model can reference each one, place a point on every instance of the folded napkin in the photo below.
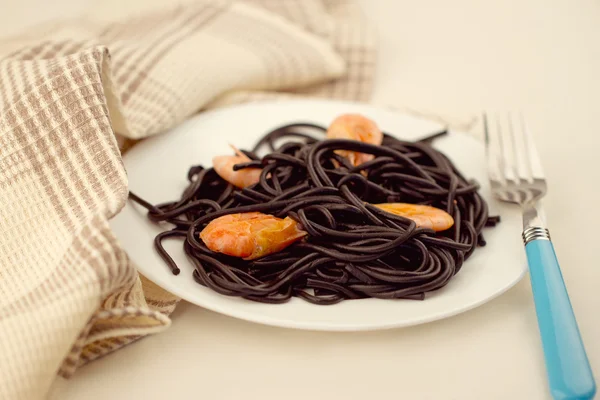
(73, 95)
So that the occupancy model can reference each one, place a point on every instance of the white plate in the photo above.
(157, 170)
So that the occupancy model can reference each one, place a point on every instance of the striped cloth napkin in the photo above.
(73, 95)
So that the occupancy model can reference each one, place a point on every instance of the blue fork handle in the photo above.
(569, 372)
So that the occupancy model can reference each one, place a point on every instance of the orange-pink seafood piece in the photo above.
(424, 216)
(250, 235)
(355, 127)
(223, 166)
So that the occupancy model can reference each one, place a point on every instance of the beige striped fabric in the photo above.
(73, 95)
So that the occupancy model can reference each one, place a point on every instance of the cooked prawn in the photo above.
(250, 235)
(223, 166)
(424, 216)
(355, 127)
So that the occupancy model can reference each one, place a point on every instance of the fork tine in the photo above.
(505, 151)
(526, 147)
(533, 159)
(520, 162)
(492, 147)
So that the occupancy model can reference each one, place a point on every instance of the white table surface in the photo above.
(450, 58)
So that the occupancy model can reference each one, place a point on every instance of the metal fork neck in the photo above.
(534, 227)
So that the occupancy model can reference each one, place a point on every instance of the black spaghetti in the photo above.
(353, 250)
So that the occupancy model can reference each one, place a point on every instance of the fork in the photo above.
(516, 177)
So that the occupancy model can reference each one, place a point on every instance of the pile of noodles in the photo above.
(353, 250)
